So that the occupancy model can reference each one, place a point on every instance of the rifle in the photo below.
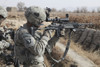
(59, 25)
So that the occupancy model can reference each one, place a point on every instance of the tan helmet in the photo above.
(3, 12)
(35, 15)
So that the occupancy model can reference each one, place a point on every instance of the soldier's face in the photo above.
(1, 19)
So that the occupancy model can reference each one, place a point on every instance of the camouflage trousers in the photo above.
(34, 65)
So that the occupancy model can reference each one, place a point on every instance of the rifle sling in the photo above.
(66, 50)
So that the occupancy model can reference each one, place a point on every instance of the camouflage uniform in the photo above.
(3, 44)
(5, 39)
(30, 46)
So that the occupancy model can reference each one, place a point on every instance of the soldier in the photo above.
(4, 35)
(30, 44)
(3, 16)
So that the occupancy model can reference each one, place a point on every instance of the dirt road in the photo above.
(80, 60)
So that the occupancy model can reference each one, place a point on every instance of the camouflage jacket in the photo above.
(4, 39)
(30, 48)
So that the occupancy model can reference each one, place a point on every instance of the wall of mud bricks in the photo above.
(88, 38)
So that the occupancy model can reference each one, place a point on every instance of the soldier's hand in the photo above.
(60, 33)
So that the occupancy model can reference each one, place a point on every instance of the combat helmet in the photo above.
(35, 15)
(3, 12)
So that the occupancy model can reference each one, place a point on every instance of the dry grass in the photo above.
(87, 18)
(16, 15)
(77, 47)
(14, 24)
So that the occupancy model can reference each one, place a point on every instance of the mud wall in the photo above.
(88, 38)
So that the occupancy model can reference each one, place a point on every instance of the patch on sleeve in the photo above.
(28, 41)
